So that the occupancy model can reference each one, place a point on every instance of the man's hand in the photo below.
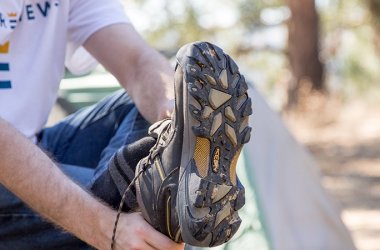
(142, 71)
(134, 232)
(28, 172)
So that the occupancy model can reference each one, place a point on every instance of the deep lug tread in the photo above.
(223, 122)
(203, 57)
(201, 131)
(232, 65)
(200, 96)
(196, 113)
(205, 53)
(247, 107)
(246, 135)
(220, 56)
(200, 228)
(200, 62)
(240, 200)
(242, 86)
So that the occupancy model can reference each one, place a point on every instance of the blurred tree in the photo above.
(187, 27)
(185, 22)
(374, 9)
(303, 48)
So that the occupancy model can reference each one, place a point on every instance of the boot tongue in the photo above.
(157, 128)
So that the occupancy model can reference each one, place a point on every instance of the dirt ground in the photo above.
(345, 141)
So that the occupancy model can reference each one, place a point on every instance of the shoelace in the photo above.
(121, 205)
(152, 151)
(164, 135)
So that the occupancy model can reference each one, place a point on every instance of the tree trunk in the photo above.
(374, 9)
(303, 49)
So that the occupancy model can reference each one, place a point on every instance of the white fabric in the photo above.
(78, 60)
(38, 32)
(297, 212)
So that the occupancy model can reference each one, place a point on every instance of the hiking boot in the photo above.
(188, 188)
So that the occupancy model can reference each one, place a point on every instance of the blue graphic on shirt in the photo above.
(5, 85)
(30, 12)
(13, 24)
(4, 67)
(44, 10)
(2, 21)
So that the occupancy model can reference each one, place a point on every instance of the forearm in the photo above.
(142, 71)
(154, 87)
(32, 176)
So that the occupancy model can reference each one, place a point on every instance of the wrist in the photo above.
(104, 223)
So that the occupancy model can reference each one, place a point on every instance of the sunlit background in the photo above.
(256, 34)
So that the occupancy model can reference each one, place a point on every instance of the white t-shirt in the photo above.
(34, 35)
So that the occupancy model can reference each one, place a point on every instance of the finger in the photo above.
(159, 240)
(146, 246)
(176, 246)
(133, 232)
(136, 245)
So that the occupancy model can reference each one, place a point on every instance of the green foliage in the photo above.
(186, 27)
(350, 45)
(350, 37)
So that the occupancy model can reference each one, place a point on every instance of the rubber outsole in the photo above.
(217, 107)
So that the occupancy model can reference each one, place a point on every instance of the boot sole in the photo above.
(215, 110)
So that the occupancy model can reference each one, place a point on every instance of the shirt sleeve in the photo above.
(88, 16)
(10, 11)
(85, 18)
